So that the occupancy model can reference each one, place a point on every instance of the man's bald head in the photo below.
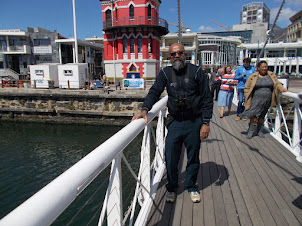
(176, 46)
(177, 56)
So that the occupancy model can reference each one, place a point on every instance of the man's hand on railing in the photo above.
(142, 114)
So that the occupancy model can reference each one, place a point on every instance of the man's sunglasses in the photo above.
(178, 52)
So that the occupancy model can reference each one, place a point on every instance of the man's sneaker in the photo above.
(170, 196)
(238, 118)
(195, 197)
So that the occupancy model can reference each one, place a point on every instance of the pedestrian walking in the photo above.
(241, 75)
(261, 90)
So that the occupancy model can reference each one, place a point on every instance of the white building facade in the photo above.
(207, 51)
(282, 58)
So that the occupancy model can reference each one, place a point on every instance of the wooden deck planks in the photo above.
(241, 182)
(273, 168)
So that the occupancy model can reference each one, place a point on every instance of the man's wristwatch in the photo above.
(206, 122)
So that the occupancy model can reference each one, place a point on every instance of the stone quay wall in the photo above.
(70, 106)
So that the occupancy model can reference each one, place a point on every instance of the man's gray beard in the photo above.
(178, 65)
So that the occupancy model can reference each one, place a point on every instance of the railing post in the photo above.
(160, 139)
(277, 127)
(297, 131)
(145, 159)
(115, 204)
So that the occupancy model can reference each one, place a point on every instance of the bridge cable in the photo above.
(140, 183)
(86, 203)
(270, 32)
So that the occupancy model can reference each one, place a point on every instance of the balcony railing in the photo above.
(16, 49)
(135, 21)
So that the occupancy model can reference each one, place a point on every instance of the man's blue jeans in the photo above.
(240, 107)
(185, 132)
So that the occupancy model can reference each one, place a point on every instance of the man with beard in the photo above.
(190, 107)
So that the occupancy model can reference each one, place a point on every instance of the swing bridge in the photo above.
(241, 181)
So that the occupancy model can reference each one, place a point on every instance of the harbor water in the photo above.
(33, 154)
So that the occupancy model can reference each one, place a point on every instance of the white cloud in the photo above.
(206, 29)
(284, 16)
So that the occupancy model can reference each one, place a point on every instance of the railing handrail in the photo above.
(62, 191)
(292, 95)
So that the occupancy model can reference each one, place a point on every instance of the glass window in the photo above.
(132, 45)
(140, 44)
(187, 44)
(43, 58)
(2, 42)
(149, 11)
(131, 11)
(108, 14)
(150, 45)
(42, 42)
(13, 41)
(124, 45)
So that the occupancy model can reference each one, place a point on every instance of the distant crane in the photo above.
(228, 29)
(276, 39)
(181, 27)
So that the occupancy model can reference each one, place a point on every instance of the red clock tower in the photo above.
(132, 31)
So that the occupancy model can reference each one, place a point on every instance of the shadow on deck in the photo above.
(241, 182)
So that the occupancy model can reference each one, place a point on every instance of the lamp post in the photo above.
(75, 32)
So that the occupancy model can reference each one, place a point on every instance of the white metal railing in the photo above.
(277, 122)
(47, 204)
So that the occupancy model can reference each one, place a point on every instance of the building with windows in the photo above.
(281, 57)
(245, 35)
(204, 50)
(189, 41)
(254, 23)
(132, 31)
(19, 49)
(254, 12)
(294, 30)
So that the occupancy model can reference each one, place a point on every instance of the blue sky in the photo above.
(196, 14)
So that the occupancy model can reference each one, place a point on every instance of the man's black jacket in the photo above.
(199, 101)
